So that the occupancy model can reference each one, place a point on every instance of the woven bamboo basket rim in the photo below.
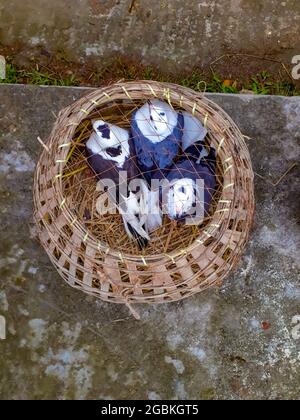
(173, 93)
(226, 141)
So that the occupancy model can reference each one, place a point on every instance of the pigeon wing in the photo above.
(193, 130)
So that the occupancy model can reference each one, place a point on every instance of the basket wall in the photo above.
(88, 264)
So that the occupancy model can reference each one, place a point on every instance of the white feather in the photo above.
(193, 130)
(156, 120)
(143, 215)
(154, 216)
(150, 208)
(133, 214)
(130, 219)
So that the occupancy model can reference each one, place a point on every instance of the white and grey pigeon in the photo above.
(157, 132)
(109, 151)
(145, 206)
(182, 193)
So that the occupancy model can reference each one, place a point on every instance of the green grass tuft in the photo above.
(11, 74)
(35, 77)
(260, 84)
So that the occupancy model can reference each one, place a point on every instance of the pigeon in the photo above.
(111, 155)
(189, 185)
(193, 131)
(111, 150)
(157, 132)
(145, 207)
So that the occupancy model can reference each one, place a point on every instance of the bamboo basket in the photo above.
(93, 253)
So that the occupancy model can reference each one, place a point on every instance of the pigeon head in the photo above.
(156, 120)
(158, 116)
(181, 198)
(110, 142)
(109, 136)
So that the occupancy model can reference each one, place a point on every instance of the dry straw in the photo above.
(93, 253)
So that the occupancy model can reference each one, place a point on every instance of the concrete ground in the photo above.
(239, 342)
(173, 35)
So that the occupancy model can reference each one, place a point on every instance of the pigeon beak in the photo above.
(178, 210)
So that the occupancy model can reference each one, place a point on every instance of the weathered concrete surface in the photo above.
(237, 342)
(173, 34)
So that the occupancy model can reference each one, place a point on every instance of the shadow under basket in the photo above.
(92, 252)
